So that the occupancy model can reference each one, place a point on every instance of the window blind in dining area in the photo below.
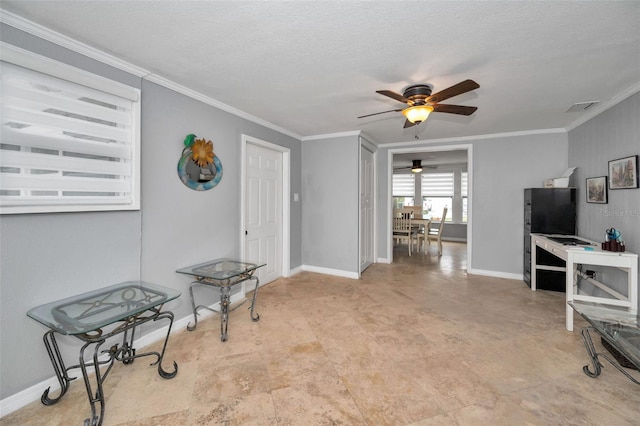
(66, 146)
(464, 184)
(403, 185)
(437, 184)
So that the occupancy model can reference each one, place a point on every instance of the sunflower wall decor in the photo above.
(199, 167)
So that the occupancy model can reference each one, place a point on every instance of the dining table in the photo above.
(423, 223)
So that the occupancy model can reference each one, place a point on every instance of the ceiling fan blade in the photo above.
(383, 112)
(411, 167)
(407, 123)
(454, 109)
(455, 90)
(394, 95)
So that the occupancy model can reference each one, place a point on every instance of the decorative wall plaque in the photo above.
(199, 167)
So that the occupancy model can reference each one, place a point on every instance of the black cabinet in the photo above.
(547, 211)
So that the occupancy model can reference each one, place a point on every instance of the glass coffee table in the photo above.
(619, 328)
(95, 316)
(223, 274)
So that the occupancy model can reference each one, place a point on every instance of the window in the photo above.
(464, 183)
(70, 139)
(437, 193)
(403, 190)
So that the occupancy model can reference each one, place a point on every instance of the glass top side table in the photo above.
(96, 309)
(618, 326)
(86, 316)
(223, 274)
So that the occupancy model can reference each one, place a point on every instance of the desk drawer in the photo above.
(543, 257)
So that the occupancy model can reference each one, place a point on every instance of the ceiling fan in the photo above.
(420, 102)
(416, 167)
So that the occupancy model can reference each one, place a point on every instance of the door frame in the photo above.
(434, 148)
(366, 144)
(286, 205)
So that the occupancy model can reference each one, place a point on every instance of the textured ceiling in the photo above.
(313, 67)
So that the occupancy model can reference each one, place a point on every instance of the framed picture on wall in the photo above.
(623, 173)
(597, 190)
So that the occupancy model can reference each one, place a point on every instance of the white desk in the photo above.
(574, 255)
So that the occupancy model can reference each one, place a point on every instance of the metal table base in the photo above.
(125, 353)
(593, 356)
(225, 286)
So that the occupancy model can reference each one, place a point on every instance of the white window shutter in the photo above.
(437, 184)
(403, 185)
(66, 146)
(464, 184)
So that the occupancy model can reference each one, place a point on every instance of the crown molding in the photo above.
(154, 78)
(47, 34)
(600, 108)
(473, 138)
(369, 139)
(331, 135)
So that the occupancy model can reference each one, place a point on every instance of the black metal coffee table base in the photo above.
(125, 353)
(594, 358)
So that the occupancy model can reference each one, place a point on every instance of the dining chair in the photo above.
(417, 211)
(418, 235)
(404, 231)
(435, 234)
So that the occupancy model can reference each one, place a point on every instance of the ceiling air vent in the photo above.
(582, 106)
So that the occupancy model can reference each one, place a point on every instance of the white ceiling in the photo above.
(313, 67)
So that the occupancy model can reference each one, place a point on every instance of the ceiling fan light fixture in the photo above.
(417, 166)
(417, 113)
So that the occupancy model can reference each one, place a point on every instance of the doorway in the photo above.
(437, 159)
(265, 207)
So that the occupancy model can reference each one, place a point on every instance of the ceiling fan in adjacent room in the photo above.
(420, 102)
(416, 167)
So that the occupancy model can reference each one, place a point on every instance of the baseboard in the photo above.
(27, 396)
(496, 274)
(33, 393)
(383, 260)
(329, 271)
(295, 271)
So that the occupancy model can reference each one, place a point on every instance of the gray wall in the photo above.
(330, 203)
(611, 135)
(45, 257)
(502, 168)
(48, 256)
(454, 232)
(180, 226)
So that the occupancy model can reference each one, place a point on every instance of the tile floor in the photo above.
(417, 342)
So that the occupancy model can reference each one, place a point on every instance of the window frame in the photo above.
(52, 68)
(440, 194)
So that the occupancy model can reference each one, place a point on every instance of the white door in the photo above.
(366, 208)
(263, 210)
